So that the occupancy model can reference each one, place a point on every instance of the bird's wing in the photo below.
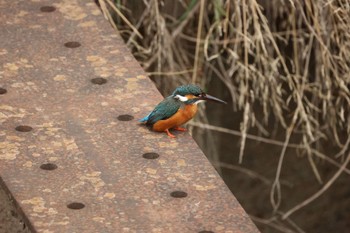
(164, 110)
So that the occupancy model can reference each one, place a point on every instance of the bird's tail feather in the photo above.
(145, 118)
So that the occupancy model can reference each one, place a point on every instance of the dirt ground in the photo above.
(10, 221)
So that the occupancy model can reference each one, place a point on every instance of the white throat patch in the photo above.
(181, 98)
(199, 101)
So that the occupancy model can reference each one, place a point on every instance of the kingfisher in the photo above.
(177, 109)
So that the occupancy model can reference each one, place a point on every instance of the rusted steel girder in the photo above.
(72, 154)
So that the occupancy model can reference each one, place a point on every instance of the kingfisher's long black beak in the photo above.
(212, 98)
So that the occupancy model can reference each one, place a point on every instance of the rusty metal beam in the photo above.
(72, 154)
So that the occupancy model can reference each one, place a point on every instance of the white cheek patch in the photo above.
(181, 98)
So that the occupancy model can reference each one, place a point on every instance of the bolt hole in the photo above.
(125, 117)
(150, 155)
(75, 205)
(99, 81)
(178, 194)
(48, 166)
(72, 44)
(24, 128)
(3, 91)
(205, 231)
(47, 9)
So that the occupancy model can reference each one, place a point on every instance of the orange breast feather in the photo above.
(179, 118)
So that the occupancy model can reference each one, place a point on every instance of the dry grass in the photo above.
(289, 59)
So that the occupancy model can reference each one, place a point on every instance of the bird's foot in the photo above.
(180, 129)
(169, 134)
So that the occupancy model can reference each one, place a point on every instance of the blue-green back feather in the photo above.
(164, 110)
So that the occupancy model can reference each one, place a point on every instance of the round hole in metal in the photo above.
(75, 205)
(72, 44)
(47, 9)
(125, 117)
(3, 91)
(48, 166)
(150, 155)
(178, 194)
(24, 128)
(99, 81)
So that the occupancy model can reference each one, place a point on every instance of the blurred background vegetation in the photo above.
(282, 142)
